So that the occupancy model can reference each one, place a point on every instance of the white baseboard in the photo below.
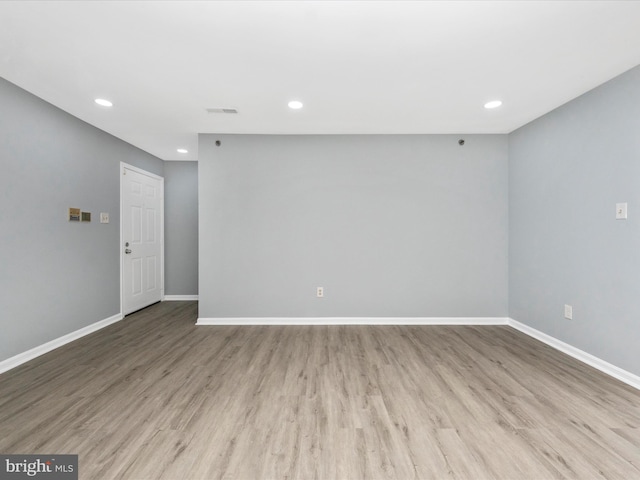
(24, 357)
(605, 367)
(616, 372)
(179, 298)
(608, 368)
(353, 321)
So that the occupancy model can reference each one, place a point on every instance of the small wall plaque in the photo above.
(74, 214)
(86, 216)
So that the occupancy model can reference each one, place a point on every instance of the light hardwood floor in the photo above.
(155, 397)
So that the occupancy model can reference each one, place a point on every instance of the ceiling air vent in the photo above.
(222, 110)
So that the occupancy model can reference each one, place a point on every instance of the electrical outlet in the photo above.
(568, 312)
(104, 217)
(319, 292)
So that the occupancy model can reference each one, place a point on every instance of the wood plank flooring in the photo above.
(155, 397)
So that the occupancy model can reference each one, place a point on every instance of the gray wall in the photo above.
(56, 276)
(399, 225)
(181, 228)
(567, 170)
(389, 225)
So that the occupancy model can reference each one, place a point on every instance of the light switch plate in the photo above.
(104, 217)
(621, 211)
(568, 312)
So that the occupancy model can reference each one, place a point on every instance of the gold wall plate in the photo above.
(74, 214)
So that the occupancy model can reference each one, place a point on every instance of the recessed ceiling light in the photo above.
(183, 150)
(493, 104)
(295, 104)
(103, 102)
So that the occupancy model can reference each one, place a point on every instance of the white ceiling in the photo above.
(359, 67)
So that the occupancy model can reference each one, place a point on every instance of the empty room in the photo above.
(252, 240)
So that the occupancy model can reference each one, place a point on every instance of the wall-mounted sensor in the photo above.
(461, 142)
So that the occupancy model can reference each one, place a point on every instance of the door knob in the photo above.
(127, 250)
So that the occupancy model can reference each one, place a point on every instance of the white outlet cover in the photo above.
(621, 211)
(104, 217)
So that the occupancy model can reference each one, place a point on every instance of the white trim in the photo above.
(605, 367)
(616, 372)
(24, 357)
(354, 321)
(179, 298)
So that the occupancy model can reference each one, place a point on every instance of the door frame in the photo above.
(124, 166)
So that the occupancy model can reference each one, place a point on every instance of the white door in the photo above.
(141, 206)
